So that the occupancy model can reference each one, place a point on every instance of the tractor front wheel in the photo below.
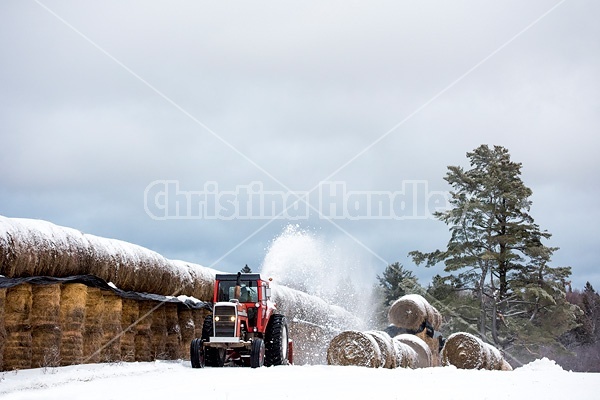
(197, 353)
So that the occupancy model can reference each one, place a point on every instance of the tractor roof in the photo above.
(233, 277)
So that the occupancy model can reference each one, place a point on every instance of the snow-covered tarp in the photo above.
(30, 247)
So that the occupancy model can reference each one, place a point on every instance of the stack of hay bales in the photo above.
(48, 325)
(466, 351)
(73, 300)
(129, 316)
(414, 314)
(45, 326)
(93, 332)
(17, 346)
(377, 349)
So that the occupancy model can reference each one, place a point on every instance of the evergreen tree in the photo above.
(394, 283)
(497, 254)
(246, 270)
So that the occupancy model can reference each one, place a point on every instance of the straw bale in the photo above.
(73, 299)
(411, 310)
(2, 326)
(386, 347)
(17, 320)
(173, 341)
(159, 333)
(18, 307)
(354, 348)
(406, 356)
(188, 330)
(45, 326)
(93, 333)
(419, 346)
(111, 327)
(143, 334)
(129, 316)
(464, 351)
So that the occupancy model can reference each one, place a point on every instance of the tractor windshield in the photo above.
(248, 292)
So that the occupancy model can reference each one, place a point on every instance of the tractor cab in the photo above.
(251, 292)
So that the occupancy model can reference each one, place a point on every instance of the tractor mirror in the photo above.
(268, 293)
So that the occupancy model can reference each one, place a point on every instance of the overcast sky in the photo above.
(112, 111)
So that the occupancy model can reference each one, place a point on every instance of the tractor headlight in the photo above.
(217, 318)
(232, 318)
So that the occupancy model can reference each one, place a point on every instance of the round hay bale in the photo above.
(143, 334)
(172, 345)
(111, 327)
(354, 348)
(18, 342)
(73, 298)
(411, 310)
(93, 333)
(386, 347)
(406, 356)
(419, 346)
(129, 317)
(407, 312)
(464, 351)
(45, 326)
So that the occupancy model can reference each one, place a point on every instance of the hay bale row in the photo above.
(173, 341)
(143, 337)
(45, 326)
(73, 299)
(466, 351)
(39, 248)
(111, 327)
(411, 311)
(93, 333)
(2, 325)
(376, 349)
(129, 316)
(17, 345)
(66, 324)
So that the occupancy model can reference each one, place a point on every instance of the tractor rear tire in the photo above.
(197, 353)
(276, 341)
(257, 353)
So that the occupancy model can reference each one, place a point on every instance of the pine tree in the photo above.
(496, 251)
(394, 283)
(246, 270)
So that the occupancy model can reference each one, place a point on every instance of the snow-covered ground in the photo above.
(541, 379)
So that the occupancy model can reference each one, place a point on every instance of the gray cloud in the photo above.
(299, 90)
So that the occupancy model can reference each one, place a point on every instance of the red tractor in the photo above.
(244, 329)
